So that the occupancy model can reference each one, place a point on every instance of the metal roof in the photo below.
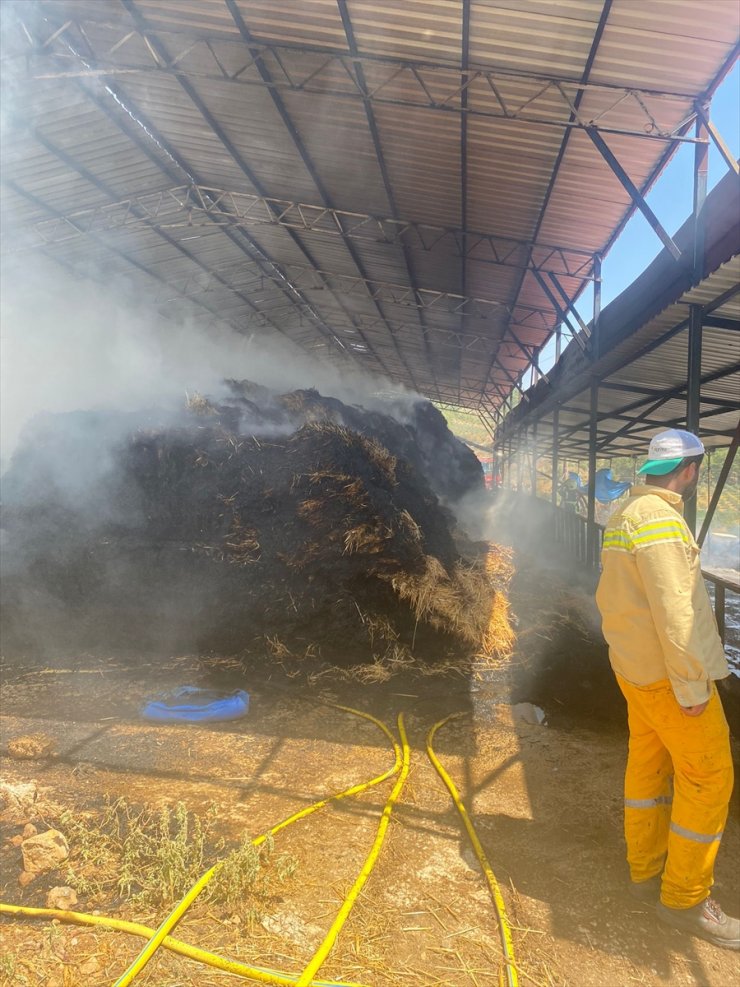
(385, 182)
(643, 372)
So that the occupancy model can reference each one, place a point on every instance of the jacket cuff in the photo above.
(692, 693)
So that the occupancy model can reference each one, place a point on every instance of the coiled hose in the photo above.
(507, 945)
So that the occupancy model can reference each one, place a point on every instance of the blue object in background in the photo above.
(608, 489)
(190, 704)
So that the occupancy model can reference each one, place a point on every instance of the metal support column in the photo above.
(592, 548)
(596, 324)
(693, 394)
(534, 459)
(701, 162)
(555, 469)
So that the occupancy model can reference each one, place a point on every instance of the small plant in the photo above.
(245, 873)
(153, 857)
(147, 856)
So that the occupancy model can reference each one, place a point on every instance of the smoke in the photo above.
(72, 343)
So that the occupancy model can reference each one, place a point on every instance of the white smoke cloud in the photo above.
(74, 343)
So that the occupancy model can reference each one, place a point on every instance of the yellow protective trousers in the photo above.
(676, 791)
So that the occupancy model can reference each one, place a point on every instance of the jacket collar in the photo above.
(670, 496)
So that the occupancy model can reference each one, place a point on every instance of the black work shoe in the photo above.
(647, 892)
(706, 920)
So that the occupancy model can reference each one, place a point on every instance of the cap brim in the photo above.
(659, 467)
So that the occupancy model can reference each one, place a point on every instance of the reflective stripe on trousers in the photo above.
(677, 832)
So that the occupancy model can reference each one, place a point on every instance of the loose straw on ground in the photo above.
(161, 935)
(507, 944)
(331, 937)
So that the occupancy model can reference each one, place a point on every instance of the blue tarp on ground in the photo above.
(193, 705)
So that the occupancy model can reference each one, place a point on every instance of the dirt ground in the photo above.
(545, 799)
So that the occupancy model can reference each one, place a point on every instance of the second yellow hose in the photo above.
(510, 970)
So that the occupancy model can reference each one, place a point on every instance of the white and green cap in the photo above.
(667, 450)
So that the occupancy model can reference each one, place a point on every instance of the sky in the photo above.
(671, 201)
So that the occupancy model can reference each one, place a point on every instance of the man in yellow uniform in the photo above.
(667, 654)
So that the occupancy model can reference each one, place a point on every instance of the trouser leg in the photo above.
(647, 796)
(703, 784)
(699, 749)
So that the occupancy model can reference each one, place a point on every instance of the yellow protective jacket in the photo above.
(656, 614)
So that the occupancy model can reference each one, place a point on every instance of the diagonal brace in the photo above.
(633, 191)
(559, 311)
(701, 112)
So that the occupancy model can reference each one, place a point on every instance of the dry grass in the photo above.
(379, 456)
(277, 648)
(407, 523)
(199, 404)
(463, 602)
(369, 539)
(241, 542)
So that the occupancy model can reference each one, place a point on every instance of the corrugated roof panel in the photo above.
(326, 127)
(671, 44)
(422, 154)
(674, 44)
(310, 22)
(427, 30)
(533, 37)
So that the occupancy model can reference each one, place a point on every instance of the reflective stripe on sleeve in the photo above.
(689, 834)
(617, 540)
(658, 532)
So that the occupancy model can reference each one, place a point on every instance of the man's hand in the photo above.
(695, 710)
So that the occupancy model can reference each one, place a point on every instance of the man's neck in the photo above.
(670, 483)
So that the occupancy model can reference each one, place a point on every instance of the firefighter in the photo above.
(666, 653)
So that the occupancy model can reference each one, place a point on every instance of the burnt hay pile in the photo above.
(285, 524)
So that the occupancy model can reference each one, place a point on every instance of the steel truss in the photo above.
(113, 50)
(242, 277)
(196, 206)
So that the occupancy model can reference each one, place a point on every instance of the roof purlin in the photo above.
(143, 146)
(464, 78)
(645, 188)
(115, 250)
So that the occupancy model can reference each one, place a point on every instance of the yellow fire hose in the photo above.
(161, 936)
(259, 974)
(510, 970)
(179, 910)
(323, 951)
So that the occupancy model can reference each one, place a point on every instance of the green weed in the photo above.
(153, 857)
